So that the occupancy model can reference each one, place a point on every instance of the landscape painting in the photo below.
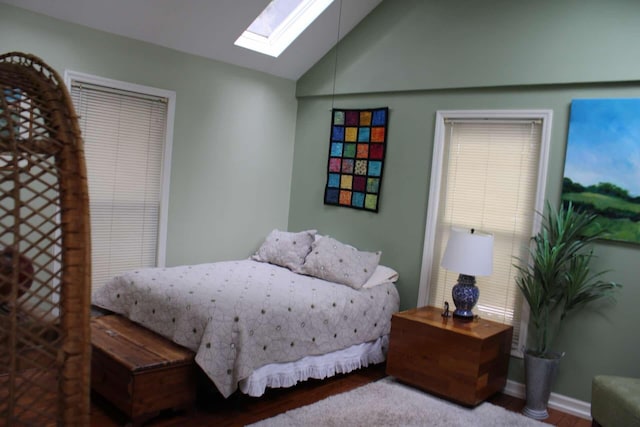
(602, 168)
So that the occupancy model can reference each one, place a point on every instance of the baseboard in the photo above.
(557, 401)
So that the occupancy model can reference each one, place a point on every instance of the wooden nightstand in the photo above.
(462, 361)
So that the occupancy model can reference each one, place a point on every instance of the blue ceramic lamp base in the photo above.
(465, 296)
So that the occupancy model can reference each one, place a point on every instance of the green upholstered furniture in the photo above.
(615, 401)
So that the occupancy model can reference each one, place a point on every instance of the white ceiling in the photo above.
(208, 28)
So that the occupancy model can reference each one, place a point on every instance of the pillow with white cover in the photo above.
(336, 262)
(380, 276)
(286, 249)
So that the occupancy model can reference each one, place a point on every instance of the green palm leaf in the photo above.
(556, 279)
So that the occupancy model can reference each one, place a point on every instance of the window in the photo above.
(127, 133)
(279, 24)
(488, 172)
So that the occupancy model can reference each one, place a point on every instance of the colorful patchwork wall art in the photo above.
(356, 158)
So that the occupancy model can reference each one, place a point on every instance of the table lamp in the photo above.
(470, 254)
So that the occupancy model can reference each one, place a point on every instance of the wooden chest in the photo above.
(138, 371)
(462, 361)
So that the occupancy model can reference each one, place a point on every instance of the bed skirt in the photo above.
(280, 375)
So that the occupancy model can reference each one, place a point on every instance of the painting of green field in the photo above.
(621, 228)
(602, 165)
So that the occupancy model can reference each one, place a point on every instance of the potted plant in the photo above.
(555, 281)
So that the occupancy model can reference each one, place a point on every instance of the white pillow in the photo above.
(336, 262)
(286, 249)
(380, 276)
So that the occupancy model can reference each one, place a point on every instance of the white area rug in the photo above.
(389, 403)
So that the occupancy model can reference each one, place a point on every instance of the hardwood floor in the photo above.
(556, 417)
(240, 410)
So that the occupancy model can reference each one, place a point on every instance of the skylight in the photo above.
(279, 24)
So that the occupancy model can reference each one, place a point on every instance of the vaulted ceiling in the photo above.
(208, 28)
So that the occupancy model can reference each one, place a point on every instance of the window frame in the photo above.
(285, 33)
(74, 76)
(546, 117)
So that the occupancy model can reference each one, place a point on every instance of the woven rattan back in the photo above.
(44, 250)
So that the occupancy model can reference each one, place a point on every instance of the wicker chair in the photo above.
(44, 250)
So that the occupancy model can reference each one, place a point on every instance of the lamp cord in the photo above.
(335, 63)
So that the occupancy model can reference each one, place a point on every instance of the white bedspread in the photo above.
(240, 315)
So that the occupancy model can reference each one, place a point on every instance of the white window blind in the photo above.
(124, 141)
(489, 179)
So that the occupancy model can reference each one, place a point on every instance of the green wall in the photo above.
(417, 57)
(233, 137)
(431, 44)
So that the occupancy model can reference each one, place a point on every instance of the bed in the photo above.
(300, 308)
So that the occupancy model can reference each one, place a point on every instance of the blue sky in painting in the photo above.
(604, 143)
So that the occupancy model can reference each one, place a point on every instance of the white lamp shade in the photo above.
(469, 253)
